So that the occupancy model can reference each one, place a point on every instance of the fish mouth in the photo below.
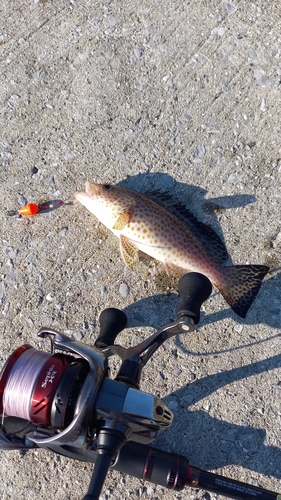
(91, 190)
(80, 196)
(88, 188)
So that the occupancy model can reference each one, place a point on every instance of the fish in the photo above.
(142, 224)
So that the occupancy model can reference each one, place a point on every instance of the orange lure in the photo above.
(29, 209)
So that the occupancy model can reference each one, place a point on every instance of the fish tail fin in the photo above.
(239, 285)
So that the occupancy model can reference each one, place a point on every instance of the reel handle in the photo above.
(112, 321)
(194, 289)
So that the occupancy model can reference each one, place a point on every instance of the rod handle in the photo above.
(112, 321)
(194, 289)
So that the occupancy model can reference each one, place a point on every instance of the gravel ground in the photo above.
(178, 96)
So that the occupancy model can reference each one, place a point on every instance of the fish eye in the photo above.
(106, 186)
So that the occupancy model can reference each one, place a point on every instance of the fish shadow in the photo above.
(145, 312)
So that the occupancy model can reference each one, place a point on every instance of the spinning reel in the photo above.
(65, 402)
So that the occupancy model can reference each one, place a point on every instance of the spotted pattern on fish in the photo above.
(142, 224)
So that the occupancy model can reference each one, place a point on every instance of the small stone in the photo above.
(41, 278)
(261, 78)
(124, 290)
(49, 297)
(77, 335)
(31, 245)
(253, 481)
(2, 297)
(173, 405)
(232, 179)
(22, 201)
(11, 252)
(31, 266)
(160, 377)
(62, 232)
(207, 406)
(218, 31)
(69, 156)
(138, 53)
(6, 309)
(188, 398)
(150, 491)
(103, 290)
(252, 54)
(176, 372)
(200, 151)
(264, 106)
(238, 328)
(225, 88)
(10, 277)
(111, 20)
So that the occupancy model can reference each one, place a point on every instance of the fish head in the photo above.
(108, 203)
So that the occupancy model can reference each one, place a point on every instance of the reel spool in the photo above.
(41, 387)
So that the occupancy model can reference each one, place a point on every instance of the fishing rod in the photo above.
(66, 402)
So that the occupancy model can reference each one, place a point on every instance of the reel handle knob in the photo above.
(112, 321)
(194, 289)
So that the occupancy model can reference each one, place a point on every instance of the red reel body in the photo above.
(48, 393)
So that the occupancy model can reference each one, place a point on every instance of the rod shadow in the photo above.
(211, 443)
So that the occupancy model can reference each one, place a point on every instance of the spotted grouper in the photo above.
(141, 224)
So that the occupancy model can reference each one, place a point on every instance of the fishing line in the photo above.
(21, 383)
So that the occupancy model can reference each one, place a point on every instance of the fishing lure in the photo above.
(29, 209)
(34, 208)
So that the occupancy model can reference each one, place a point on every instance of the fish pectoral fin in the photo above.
(129, 251)
(123, 220)
(175, 271)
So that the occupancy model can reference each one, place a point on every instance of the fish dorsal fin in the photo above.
(129, 251)
(210, 240)
(123, 220)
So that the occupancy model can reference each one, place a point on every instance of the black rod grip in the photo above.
(174, 472)
(112, 322)
(194, 289)
(157, 466)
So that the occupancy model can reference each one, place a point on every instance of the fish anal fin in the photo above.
(123, 220)
(129, 251)
(174, 271)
